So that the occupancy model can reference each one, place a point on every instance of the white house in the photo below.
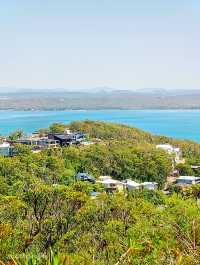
(102, 178)
(195, 166)
(110, 184)
(187, 180)
(132, 185)
(5, 149)
(172, 151)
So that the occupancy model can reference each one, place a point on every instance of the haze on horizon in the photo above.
(85, 44)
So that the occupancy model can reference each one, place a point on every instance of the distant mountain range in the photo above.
(98, 98)
(8, 90)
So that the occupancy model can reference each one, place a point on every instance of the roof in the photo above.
(101, 178)
(109, 181)
(164, 145)
(132, 183)
(62, 136)
(85, 177)
(195, 167)
(4, 145)
(168, 147)
(146, 183)
(188, 178)
(71, 136)
(149, 183)
(82, 174)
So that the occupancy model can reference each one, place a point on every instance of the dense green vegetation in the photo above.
(44, 210)
(122, 133)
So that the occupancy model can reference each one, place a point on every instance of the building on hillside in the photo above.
(175, 151)
(5, 149)
(67, 139)
(110, 184)
(128, 184)
(51, 140)
(195, 167)
(187, 180)
(37, 134)
(37, 142)
(85, 177)
(132, 185)
(102, 178)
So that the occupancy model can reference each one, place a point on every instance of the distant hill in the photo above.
(98, 98)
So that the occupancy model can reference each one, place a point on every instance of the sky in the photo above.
(122, 44)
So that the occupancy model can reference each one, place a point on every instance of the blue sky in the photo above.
(78, 44)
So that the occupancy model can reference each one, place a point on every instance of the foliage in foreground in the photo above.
(157, 229)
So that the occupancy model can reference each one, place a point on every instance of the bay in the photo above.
(182, 124)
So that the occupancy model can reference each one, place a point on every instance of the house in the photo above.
(37, 142)
(85, 177)
(102, 178)
(110, 184)
(195, 167)
(67, 139)
(131, 185)
(128, 184)
(5, 149)
(52, 140)
(168, 148)
(172, 151)
(187, 180)
(47, 143)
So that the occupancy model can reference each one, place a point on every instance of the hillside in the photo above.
(47, 216)
(108, 131)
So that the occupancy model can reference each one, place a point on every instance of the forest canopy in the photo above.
(44, 209)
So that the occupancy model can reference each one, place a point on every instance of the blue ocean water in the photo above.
(184, 124)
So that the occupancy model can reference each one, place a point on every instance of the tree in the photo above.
(57, 128)
(16, 135)
(21, 149)
(185, 169)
